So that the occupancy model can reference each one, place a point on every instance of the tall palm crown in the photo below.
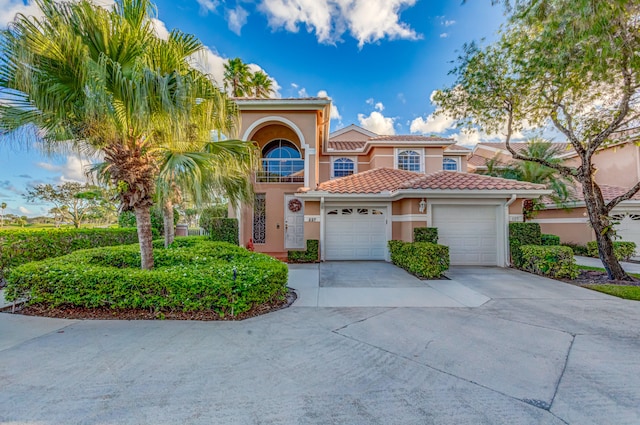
(236, 75)
(104, 80)
(260, 84)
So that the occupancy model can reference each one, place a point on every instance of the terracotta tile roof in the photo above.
(521, 146)
(409, 138)
(386, 179)
(457, 148)
(608, 192)
(346, 145)
(477, 161)
(372, 181)
(454, 180)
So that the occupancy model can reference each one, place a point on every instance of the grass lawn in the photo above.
(627, 292)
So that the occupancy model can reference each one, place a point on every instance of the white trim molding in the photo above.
(403, 218)
(570, 220)
(334, 158)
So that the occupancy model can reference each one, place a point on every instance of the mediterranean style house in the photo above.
(354, 190)
(618, 169)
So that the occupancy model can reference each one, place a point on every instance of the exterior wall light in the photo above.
(423, 206)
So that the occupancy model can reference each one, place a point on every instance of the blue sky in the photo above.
(379, 60)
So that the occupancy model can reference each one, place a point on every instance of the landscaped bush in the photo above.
(128, 219)
(522, 234)
(553, 261)
(423, 259)
(223, 230)
(193, 274)
(308, 256)
(577, 248)
(22, 246)
(549, 240)
(621, 249)
(425, 234)
(212, 213)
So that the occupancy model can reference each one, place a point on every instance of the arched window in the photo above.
(343, 167)
(449, 164)
(282, 162)
(409, 161)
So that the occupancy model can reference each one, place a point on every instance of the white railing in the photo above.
(197, 232)
(281, 171)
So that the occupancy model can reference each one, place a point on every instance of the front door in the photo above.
(293, 222)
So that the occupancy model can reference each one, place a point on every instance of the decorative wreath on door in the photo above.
(295, 205)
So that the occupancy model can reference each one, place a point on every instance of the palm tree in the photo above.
(3, 206)
(236, 77)
(260, 84)
(101, 79)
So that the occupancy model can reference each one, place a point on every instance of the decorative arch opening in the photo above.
(282, 163)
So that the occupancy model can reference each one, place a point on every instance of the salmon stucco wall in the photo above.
(405, 217)
(570, 225)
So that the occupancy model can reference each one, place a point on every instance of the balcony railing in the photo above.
(281, 171)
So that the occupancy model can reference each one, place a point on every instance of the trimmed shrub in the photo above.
(310, 255)
(621, 249)
(193, 274)
(552, 261)
(212, 213)
(549, 240)
(522, 234)
(22, 246)
(425, 234)
(423, 259)
(577, 248)
(223, 230)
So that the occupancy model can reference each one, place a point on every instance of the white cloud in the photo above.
(472, 137)
(24, 210)
(433, 124)
(207, 6)
(303, 92)
(379, 106)
(236, 18)
(10, 8)
(448, 23)
(294, 85)
(377, 123)
(368, 21)
(160, 28)
(72, 170)
(335, 114)
(401, 98)
(369, 101)
(444, 35)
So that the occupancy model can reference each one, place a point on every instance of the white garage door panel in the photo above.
(355, 233)
(470, 232)
(629, 228)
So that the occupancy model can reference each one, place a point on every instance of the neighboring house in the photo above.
(354, 190)
(618, 168)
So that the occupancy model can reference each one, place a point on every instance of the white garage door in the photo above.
(629, 228)
(355, 233)
(470, 232)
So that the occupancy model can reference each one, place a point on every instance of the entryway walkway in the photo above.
(595, 262)
(374, 284)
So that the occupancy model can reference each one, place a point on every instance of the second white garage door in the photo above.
(470, 232)
(355, 233)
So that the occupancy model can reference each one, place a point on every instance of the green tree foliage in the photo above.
(241, 82)
(571, 64)
(72, 201)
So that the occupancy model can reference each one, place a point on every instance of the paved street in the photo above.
(536, 352)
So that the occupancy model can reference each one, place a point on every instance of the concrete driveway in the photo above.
(538, 352)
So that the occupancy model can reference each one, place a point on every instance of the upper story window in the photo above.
(342, 167)
(409, 160)
(449, 164)
(281, 163)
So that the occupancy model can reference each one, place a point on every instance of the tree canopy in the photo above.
(567, 64)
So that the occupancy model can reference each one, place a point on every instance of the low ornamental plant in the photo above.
(22, 246)
(193, 274)
(577, 248)
(549, 240)
(223, 230)
(552, 261)
(310, 255)
(423, 259)
(621, 249)
(425, 234)
(522, 234)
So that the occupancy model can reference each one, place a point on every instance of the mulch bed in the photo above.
(595, 277)
(139, 314)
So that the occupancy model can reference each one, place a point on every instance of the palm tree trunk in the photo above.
(167, 216)
(145, 236)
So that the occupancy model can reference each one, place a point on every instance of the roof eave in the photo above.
(282, 104)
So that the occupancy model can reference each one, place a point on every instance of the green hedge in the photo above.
(522, 234)
(549, 240)
(425, 234)
(127, 219)
(22, 246)
(577, 248)
(308, 256)
(193, 274)
(621, 249)
(423, 259)
(223, 230)
(553, 261)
